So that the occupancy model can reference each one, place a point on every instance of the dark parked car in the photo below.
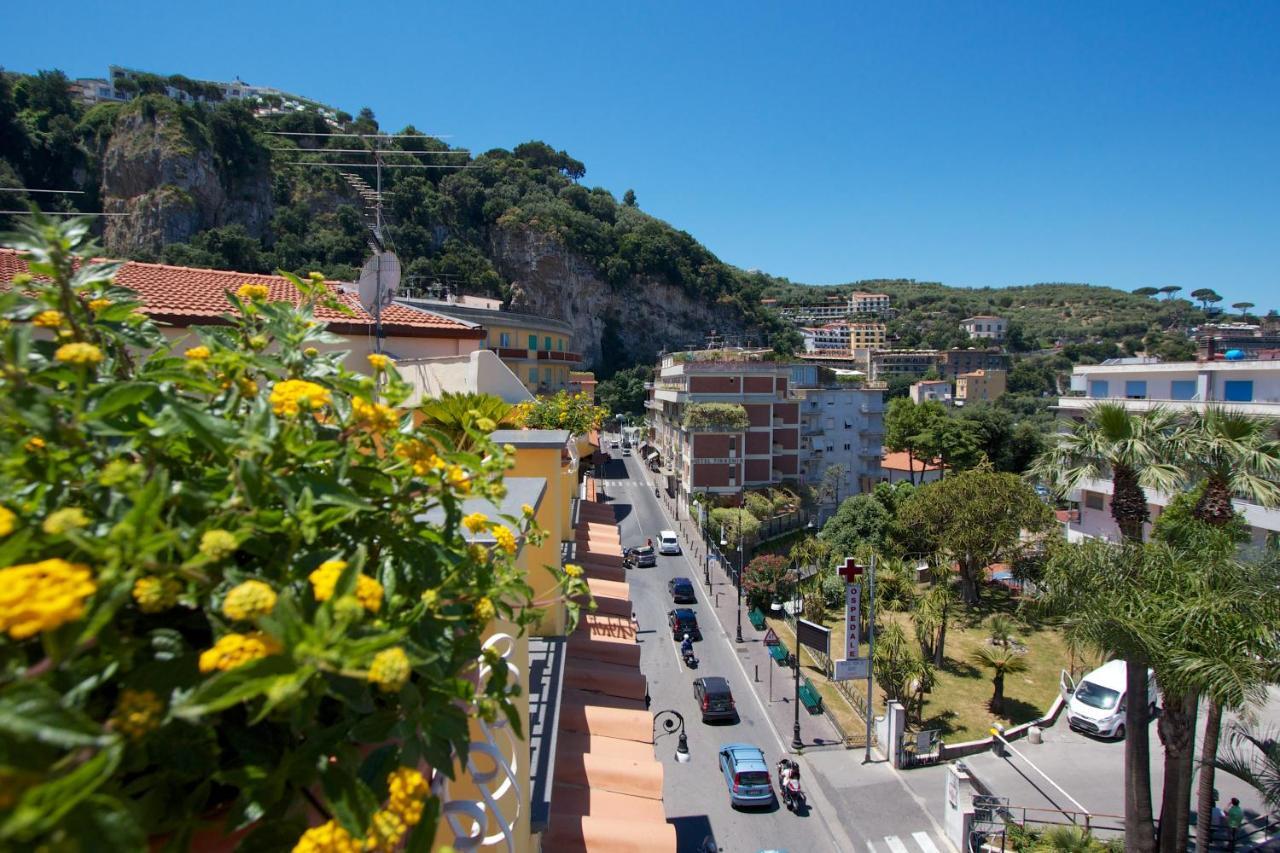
(681, 590)
(714, 698)
(684, 621)
(645, 557)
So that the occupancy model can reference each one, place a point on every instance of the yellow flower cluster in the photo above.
(419, 455)
(47, 319)
(379, 361)
(325, 578)
(408, 791)
(328, 837)
(374, 417)
(311, 352)
(62, 520)
(8, 521)
(41, 596)
(484, 609)
(459, 478)
(249, 600)
(216, 544)
(78, 353)
(573, 570)
(527, 510)
(475, 522)
(97, 305)
(197, 353)
(505, 538)
(137, 712)
(390, 669)
(233, 650)
(293, 396)
(252, 292)
(156, 594)
(34, 444)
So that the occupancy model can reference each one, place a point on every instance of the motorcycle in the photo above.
(789, 785)
(628, 558)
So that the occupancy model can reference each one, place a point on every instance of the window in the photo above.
(848, 447)
(1135, 389)
(533, 375)
(1093, 500)
(504, 339)
(546, 343)
(533, 342)
(560, 344)
(1098, 388)
(1238, 391)
(1182, 389)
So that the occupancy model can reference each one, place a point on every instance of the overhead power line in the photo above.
(364, 135)
(31, 190)
(366, 151)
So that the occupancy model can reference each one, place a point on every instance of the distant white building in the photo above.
(868, 303)
(268, 100)
(1252, 387)
(986, 327)
(836, 308)
(840, 426)
(831, 336)
(938, 390)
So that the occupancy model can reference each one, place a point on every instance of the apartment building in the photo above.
(857, 304)
(539, 350)
(867, 336)
(980, 386)
(1248, 386)
(763, 446)
(985, 327)
(830, 336)
(885, 364)
(938, 390)
(955, 362)
(868, 303)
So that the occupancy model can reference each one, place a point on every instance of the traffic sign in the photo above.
(770, 638)
(851, 669)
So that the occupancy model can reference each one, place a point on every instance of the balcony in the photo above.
(556, 355)
(872, 408)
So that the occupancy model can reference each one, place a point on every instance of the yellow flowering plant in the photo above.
(218, 603)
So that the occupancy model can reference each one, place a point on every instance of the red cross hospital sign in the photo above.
(852, 619)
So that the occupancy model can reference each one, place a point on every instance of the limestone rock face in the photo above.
(648, 314)
(172, 187)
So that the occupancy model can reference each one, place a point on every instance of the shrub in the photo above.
(766, 578)
(758, 505)
(218, 596)
(730, 417)
(728, 521)
(574, 412)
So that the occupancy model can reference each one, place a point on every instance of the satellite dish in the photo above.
(379, 280)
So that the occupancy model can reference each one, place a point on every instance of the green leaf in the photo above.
(105, 823)
(119, 396)
(244, 682)
(352, 801)
(42, 807)
(33, 712)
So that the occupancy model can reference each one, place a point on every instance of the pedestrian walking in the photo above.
(1235, 820)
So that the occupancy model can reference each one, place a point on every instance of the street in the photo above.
(695, 793)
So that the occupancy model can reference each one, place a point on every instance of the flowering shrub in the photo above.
(574, 412)
(216, 602)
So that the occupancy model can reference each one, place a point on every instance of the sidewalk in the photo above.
(816, 731)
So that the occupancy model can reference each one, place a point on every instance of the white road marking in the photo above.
(895, 844)
(925, 842)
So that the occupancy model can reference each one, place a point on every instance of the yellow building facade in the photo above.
(867, 336)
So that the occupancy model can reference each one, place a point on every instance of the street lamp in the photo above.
(796, 742)
(673, 721)
(741, 568)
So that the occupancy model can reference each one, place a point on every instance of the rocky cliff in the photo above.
(166, 179)
(647, 315)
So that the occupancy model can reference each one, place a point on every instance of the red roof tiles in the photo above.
(184, 296)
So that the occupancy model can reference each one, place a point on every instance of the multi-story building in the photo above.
(938, 390)
(764, 446)
(868, 303)
(830, 336)
(867, 336)
(539, 350)
(1218, 339)
(1252, 387)
(985, 326)
(980, 386)
(583, 382)
(884, 364)
(122, 84)
(955, 362)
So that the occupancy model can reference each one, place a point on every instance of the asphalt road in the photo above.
(696, 797)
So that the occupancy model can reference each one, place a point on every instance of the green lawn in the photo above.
(958, 703)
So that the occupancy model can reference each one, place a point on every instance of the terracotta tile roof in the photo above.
(898, 462)
(607, 792)
(184, 296)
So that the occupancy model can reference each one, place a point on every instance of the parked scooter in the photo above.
(789, 785)
(628, 558)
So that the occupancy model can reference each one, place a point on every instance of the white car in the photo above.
(1097, 704)
(668, 543)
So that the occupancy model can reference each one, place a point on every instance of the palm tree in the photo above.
(1001, 630)
(1131, 448)
(1255, 759)
(1001, 661)
(464, 417)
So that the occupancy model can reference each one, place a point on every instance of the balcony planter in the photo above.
(725, 417)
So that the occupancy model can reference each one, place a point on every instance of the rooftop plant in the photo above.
(216, 602)
(731, 417)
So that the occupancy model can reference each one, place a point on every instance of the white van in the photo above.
(1097, 704)
(668, 543)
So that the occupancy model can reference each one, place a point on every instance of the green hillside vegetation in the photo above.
(442, 222)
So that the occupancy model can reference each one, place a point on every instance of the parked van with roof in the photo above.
(1097, 704)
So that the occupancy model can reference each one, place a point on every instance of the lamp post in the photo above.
(796, 742)
(673, 721)
(741, 568)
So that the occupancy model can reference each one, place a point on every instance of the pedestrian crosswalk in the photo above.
(916, 842)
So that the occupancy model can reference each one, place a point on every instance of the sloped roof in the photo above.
(184, 296)
(899, 462)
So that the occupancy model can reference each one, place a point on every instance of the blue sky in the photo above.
(974, 144)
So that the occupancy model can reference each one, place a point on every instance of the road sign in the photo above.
(851, 669)
(814, 636)
(770, 638)
(852, 619)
